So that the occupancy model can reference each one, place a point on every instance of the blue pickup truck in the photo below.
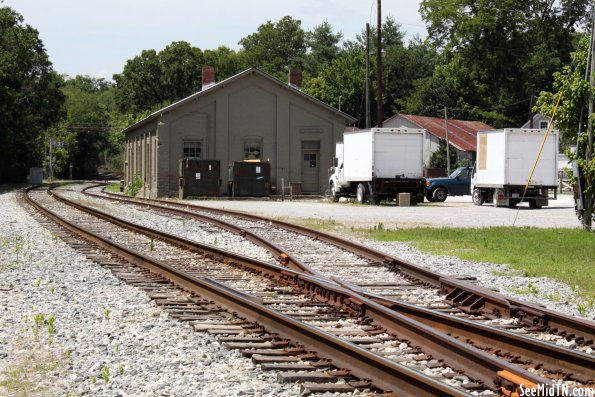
(457, 184)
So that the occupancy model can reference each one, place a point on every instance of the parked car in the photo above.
(457, 184)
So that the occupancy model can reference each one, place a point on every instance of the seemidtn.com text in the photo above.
(556, 390)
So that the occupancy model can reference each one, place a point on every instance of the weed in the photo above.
(106, 313)
(52, 289)
(94, 379)
(135, 186)
(37, 283)
(51, 328)
(152, 248)
(38, 321)
(121, 370)
(105, 374)
(380, 226)
(215, 242)
(582, 308)
(532, 288)
(117, 348)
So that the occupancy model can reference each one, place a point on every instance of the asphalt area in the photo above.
(454, 212)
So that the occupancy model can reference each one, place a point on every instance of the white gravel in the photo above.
(146, 352)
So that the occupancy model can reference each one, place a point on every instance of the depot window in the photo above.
(252, 149)
(192, 149)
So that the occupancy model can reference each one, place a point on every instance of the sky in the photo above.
(97, 38)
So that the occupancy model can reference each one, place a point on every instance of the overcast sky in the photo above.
(96, 38)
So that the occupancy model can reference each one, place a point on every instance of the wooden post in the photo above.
(588, 197)
(379, 110)
(447, 142)
(368, 115)
(282, 189)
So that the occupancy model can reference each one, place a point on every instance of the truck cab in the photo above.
(458, 183)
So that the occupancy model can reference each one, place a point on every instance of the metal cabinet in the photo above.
(199, 178)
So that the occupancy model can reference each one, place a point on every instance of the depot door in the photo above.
(310, 166)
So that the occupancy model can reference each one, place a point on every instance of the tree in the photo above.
(572, 115)
(275, 46)
(92, 117)
(438, 158)
(344, 77)
(30, 96)
(496, 54)
(152, 80)
(323, 47)
(226, 62)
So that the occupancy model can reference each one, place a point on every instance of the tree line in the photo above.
(483, 60)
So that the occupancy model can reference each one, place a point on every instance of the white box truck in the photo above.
(505, 159)
(377, 164)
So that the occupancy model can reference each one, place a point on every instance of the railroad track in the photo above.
(365, 320)
(307, 250)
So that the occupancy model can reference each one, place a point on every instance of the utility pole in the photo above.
(447, 142)
(379, 110)
(531, 112)
(587, 219)
(51, 161)
(368, 115)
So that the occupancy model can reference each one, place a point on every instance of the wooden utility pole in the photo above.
(531, 112)
(447, 141)
(368, 115)
(379, 110)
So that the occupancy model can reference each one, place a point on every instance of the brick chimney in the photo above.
(208, 76)
(295, 77)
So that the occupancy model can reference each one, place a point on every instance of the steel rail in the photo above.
(285, 258)
(464, 295)
(454, 353)
(580, 366)
(385, 374)
(577, 365)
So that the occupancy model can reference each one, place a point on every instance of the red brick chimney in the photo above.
(208, 76)
(295, 77)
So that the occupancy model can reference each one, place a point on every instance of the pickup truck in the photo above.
(458, 183)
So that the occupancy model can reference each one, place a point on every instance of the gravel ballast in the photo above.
(100, 329)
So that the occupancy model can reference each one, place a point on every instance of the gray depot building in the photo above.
(249, 116)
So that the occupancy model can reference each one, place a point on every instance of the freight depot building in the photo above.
(250, 116)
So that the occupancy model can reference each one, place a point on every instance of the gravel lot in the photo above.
(454, 212)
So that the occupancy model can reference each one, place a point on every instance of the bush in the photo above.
(135, 186)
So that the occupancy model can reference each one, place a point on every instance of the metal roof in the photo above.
(247, 72)
(462, 134)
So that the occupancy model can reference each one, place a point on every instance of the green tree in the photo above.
(572, 115)
(438, 158)
(323, 47)
(226, 62)
(275, 46)
(180, 65)
(496, 54)
(30, 96)
(344, 77)
(140, 85)
(91, 115)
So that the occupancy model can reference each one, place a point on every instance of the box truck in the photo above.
(377, 164)
(505, 159)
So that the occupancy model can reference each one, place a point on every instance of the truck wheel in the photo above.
(334, 197)
(440, 194)
(361, 193)
(478, 198)
(533, 204)
(429, 198)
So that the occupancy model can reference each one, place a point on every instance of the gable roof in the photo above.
(462, 134)
(245, 73)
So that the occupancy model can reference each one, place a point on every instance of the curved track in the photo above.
(371, 319)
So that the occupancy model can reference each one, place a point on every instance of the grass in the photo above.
(32, 376)
(566, 255)
(114, 187)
